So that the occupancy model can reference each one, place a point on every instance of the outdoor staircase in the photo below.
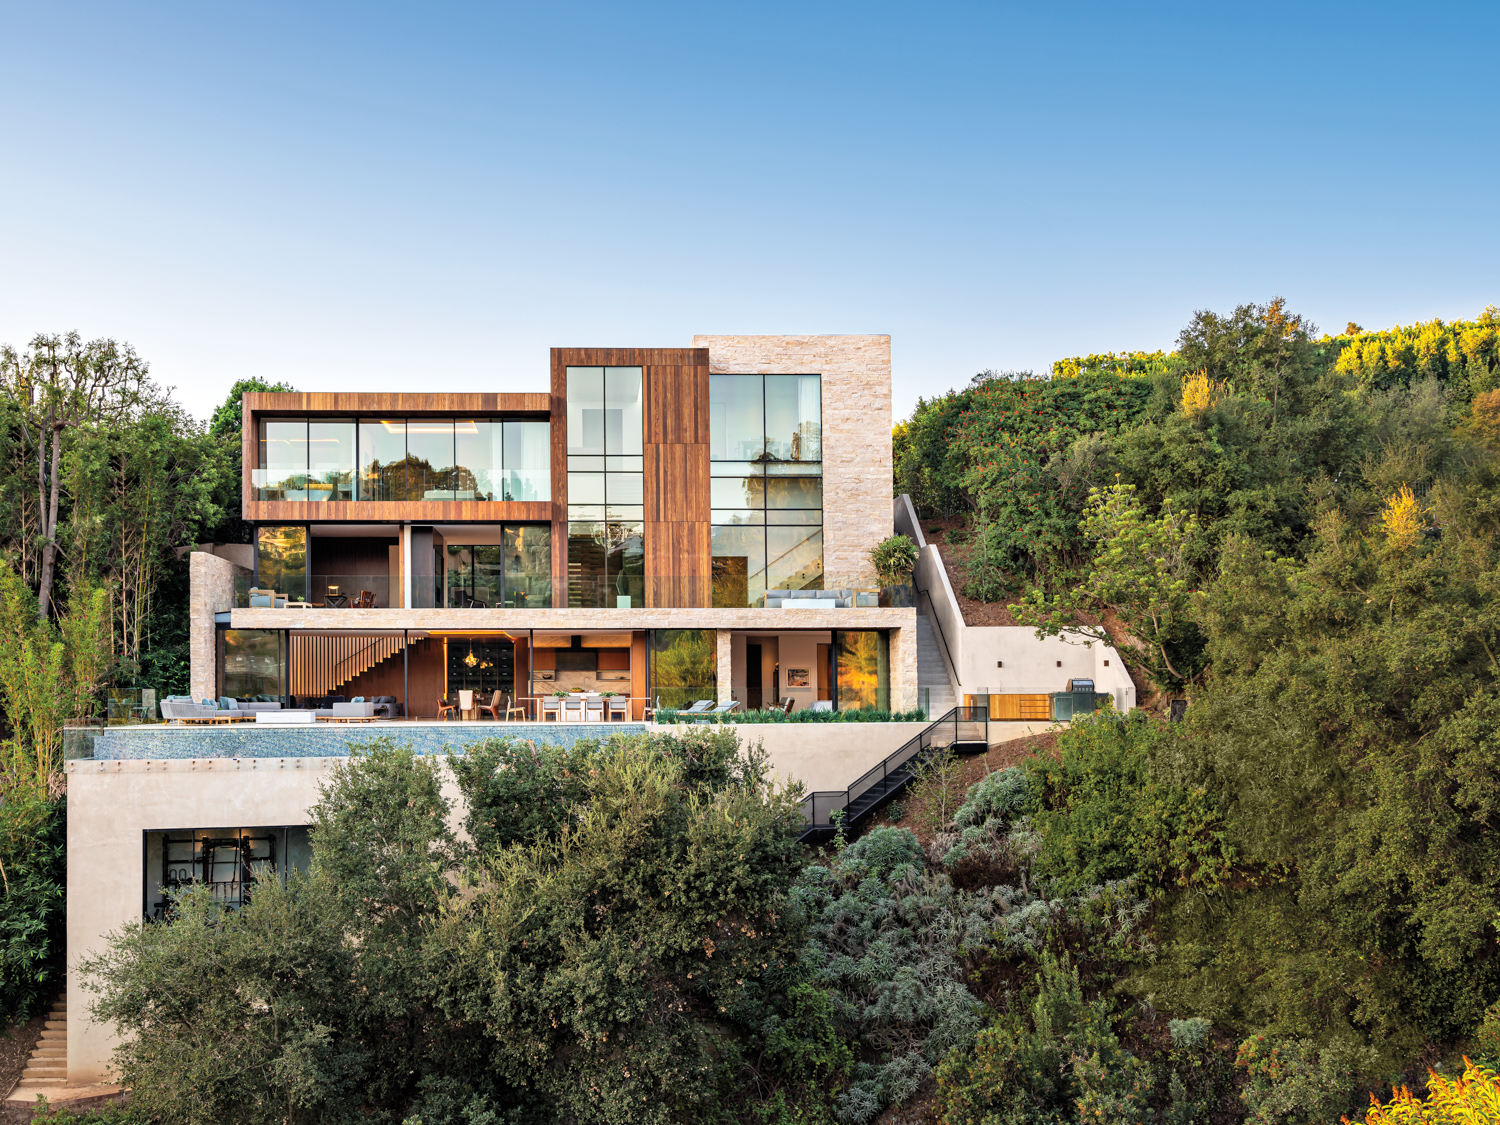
(934, 687)
(47, 1069)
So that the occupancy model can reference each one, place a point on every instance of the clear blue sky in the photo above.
(428, 196)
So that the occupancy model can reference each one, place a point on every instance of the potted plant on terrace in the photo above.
(894, 560)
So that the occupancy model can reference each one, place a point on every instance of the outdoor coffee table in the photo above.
(284, 718)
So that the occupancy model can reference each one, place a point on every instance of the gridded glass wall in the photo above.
(516, 573)
(281, 560)
(766, 487)
(862, 669)
(684, 666)
(403, 459)
(606, 487)
(252, 664)
(225, 860)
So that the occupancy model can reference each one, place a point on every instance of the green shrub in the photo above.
(805, 715)
(1002, 795)
(33, 902)
(882, 851)
(894, 559)
(1294, 1082)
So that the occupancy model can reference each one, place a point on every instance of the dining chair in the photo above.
(366, 600)
(572, 710)
(619, 710)
(465, 701)
(513, 708)
(593, 708)
(551, 709)
(445, 708)
(493, 706)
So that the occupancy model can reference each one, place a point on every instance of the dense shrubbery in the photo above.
(33, 871)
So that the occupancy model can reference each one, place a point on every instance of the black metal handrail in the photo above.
(881, 782)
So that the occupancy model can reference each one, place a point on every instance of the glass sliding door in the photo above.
(282, 474)
(252, 664)
(528, 462)
(430, 454)
(382, 460)
(477, 445)
(281, 560)
(862, 669)
(684, 666)
(528, 566)
(330, 459)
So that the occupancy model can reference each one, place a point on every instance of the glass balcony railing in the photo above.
(379, 591)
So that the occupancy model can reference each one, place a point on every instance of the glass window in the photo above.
(528, 461)
(794, 492)
(585, 488)
(737, 492)
(528, 566)
(862, 670)
(736, 423)
(330, 459)
(794, 558)
(226, 860)
(253, 664)
(739, 565)
(586, 410)
(684, 666)
(283, 460)
(794, 417)
(624, 416)
(281, 560)
(429, 452)
(382, 460)
(488, 587)
(606, 564)
(477, 460)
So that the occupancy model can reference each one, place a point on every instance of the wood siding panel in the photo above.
(677, 483)
(384, 511)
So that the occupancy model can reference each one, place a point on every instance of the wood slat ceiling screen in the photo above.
(321, 664)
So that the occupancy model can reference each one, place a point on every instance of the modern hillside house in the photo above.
(669, 524)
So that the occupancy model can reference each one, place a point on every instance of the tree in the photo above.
(1136, 572)
(62, 383)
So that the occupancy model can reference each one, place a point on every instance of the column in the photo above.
(904, 668)
(726, 666)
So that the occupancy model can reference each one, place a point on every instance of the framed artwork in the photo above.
(798, 677)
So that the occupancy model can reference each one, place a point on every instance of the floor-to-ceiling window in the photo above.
(252, 663)
(766, 454)
(684, 666)
(862, 669)
(515, 573)
(281, 560)
(606, 487)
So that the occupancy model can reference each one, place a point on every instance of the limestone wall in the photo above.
(210, 591)
(857, 459)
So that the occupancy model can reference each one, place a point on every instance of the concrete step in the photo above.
(40, 1083)
(55, 1033)
(46, 1071)
(56, 1025)
(58, 1052)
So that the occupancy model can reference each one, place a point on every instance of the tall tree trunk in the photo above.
(49, 528)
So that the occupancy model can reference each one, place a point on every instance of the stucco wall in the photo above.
(857, 459)
(210, 591)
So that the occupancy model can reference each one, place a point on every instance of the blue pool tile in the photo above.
(330, 740)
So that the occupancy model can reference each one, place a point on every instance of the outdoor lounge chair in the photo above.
(699, 707)
(386, 707)
(786, 705)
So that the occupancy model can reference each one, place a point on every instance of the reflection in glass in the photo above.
(794, 430)
(737, 492)
(528, 566)
(283, 460)
(862, 670)
(330, 458)
(794, 492)
(739, 565)
(586, 410)
(281, 561)
(429, 453)
(382, 460)
(477, 457)
(684, 666)
(794, 558)
(736, 422)
(253, 665)
(528, 461)
(606, 564)
(624, 416)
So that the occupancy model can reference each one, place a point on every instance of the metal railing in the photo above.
(963, 730)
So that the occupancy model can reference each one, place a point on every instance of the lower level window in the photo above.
(225, 860)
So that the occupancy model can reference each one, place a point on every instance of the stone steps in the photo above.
(934, 688)
(47, 1065)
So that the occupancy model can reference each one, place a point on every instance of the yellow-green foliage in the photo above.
(1464, 352)
(1470, 1100)
(1402, 519)
(1114, 363)
(1199, 392)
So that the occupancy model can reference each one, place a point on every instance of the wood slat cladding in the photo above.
(353, 402)
(322, 662)
(677, 406)
(380, 511)
(677, 484)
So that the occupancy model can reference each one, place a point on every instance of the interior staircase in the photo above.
(47, 1069)
(934, 687)
(324, 662)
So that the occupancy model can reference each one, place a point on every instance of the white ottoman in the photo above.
(285, 718)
